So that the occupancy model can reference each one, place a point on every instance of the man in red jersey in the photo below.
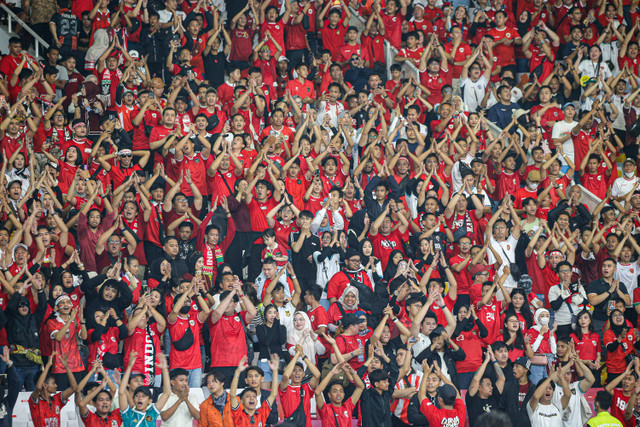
(450, 411)
(333, 29)
(182, 322)
(384, 239)
(46, 402)
(434, 73)
(266, 197)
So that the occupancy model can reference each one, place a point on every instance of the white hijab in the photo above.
(294, 336)
(99, 46)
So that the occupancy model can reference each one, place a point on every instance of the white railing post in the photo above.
(11, 17)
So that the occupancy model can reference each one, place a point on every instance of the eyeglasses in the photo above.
(181, 200)
(617, 316)
(126, 155)
(500, 227)
(116, 242)
(564, 271)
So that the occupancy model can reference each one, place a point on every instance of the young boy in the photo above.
(141, 408)
(46, 401)
(249, 413)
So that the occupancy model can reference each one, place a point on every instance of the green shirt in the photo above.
(604, 419)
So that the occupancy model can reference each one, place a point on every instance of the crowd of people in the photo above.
(247, 198)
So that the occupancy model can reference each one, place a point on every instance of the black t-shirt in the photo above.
(477, 406)
(600, 287)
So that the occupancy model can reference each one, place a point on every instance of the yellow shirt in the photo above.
(604, 419)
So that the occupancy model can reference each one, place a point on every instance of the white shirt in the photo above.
(545, 415)
(623, 186)
(423, 342)
(573, 415)
(182, 417)
(561, 129)
(627, 274)
(507, 251)
(456, 177)
(473, 92)
(592, 69)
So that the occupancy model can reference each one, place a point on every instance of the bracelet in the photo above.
(394, 320)
(241, 296)
(304, 356)
(294, 277)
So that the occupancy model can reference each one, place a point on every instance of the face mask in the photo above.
(544, 321)
(630, 174)
(534, 185)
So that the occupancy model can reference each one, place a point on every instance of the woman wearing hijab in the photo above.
(302, 334)
(370, 263)
(395, 258)
(91, 107)
(347, 303)
(620, 341)
(160, 275)
(358, 228)
(99, 46)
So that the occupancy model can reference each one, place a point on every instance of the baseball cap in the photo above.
(478, 268)
(351, 319)
(523, 361)
(448, 393)
(283, 58)
(134, 54)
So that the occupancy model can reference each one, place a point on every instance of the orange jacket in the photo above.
(210, 416)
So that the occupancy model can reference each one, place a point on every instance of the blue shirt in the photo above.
(501, 114)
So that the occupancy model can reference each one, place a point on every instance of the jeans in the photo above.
(538, 372)
(195, 378)
(27, 377)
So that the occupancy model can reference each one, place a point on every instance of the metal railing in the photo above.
(13, 17)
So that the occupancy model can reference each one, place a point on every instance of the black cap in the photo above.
(351, 319)
(448, 394)
(350, 253)
(523, 361)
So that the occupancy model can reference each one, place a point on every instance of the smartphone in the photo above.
(612, 304)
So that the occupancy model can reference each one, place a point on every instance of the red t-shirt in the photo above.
(616, 362)
(290, 400)
(147, 345)
(588, 347)
(330, 413)
(444, 417)
(44, 413)
(189, 358)
(384, 245)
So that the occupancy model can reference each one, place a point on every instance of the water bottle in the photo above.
(361, 355)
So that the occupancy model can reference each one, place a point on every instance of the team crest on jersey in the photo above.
(277, 27)
(287, 312)
(508, 34)
(313, 317)
(148, 418)
(114, 423)
(461, 49)
(57, 410)
(113, 339)
(236, 318)
(192, 322)
(74, 297)
(197, 160)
